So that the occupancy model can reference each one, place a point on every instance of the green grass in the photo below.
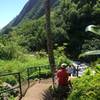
(20, 64)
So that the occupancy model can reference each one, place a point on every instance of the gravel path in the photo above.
(36, 92)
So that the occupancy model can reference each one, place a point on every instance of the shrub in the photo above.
(60, 56)
(97, 68)
(88, 71)
(10, 80)
(11, 98)
(86, 88)
(63, 59)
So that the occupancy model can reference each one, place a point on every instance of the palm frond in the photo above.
(95, 52)
(93, 29)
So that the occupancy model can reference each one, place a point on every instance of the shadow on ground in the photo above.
(60, 94)
(47, 95)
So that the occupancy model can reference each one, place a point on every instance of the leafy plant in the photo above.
(96, 30)
(10, 80)
(97, 68)
(60, 56)
(93, 29)
(86, 87)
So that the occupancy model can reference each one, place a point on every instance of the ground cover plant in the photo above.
(87, 87)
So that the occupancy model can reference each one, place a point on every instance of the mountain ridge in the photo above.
(33, 9)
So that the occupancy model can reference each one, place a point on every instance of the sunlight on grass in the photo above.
(16, 65)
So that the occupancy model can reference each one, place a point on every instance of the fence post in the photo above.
(77, 71)
(28, 74)
(39, 74)
(20, 87)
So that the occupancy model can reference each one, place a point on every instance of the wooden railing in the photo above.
(29, 76)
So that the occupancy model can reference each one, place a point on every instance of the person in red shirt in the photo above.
(63, 83)
(63, 76)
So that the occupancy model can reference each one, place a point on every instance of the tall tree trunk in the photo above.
(49, 38)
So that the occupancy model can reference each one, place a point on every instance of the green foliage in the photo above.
(11, 98)
(95, 52)
(45, 73)
(88, 71)
(32, 34)
(63, 59)
(96, 30)
(9, 47)
(20, 65)
(97, 68)
(60, 56)
(68, 21)
(1, 82)
(93, 44)
(93, 29)
(86, 87)
(16, 65)
(8, 94)
(10, 80)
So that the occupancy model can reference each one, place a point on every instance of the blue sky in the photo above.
(9, 9)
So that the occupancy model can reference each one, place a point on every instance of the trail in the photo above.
(39, 90)
(36, 92)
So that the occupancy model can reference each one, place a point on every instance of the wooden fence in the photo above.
(24, 83)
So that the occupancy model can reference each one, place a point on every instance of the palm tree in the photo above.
(96, 30)
(49, 38)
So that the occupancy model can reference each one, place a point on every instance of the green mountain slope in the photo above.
(33, 9)
(68, 22)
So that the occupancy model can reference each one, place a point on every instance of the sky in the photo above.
(9, 9)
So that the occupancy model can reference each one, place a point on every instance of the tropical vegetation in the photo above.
(24, 44)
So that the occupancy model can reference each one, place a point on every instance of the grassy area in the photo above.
(20, 64)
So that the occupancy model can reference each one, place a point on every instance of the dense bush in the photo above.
(60, 56)
(97, 69)
(86, 88)
(10, 80)
(9, 47)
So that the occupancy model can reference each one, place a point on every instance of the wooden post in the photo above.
(28, 74)
(20, 86)
(39, 74)
(77, 71)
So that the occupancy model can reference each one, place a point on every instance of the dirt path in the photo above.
(36, 92)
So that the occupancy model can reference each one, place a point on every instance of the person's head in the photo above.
(63, 65)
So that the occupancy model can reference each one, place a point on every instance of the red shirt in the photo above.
(62, 76)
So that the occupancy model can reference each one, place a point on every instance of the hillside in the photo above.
(68, 22)
(33, 9)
